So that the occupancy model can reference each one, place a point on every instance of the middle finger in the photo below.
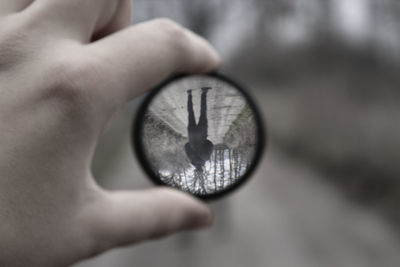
(73, 19)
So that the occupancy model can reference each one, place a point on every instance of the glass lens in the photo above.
(199, 134)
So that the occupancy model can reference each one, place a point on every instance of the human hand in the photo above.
(65, 68)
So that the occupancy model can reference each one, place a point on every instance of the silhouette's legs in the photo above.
(203, 121)
(198, 149)
(191, 118)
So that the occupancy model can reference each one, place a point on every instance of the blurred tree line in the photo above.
(327, 76)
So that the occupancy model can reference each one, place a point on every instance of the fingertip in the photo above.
(205, 56)
(204, 220)
(124, 217)
(214, 57)
(197, 213)
(215, 60)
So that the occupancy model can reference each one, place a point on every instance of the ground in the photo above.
(287, 215)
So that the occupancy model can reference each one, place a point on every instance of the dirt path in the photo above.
(286, 216)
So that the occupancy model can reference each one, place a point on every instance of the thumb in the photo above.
(129, 217)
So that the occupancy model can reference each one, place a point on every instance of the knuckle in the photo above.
(70, 77)
(64, 88)
(14, 40)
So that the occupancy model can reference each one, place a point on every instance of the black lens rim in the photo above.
(141, 155)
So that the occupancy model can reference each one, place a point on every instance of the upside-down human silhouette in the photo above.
(199, 148)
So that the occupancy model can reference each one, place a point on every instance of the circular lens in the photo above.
(199, 133)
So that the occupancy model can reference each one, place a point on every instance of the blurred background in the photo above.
(326, 77)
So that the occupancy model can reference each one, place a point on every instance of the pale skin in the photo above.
(65, 68)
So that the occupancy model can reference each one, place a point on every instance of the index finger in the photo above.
(13, 6)
(141, 56)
